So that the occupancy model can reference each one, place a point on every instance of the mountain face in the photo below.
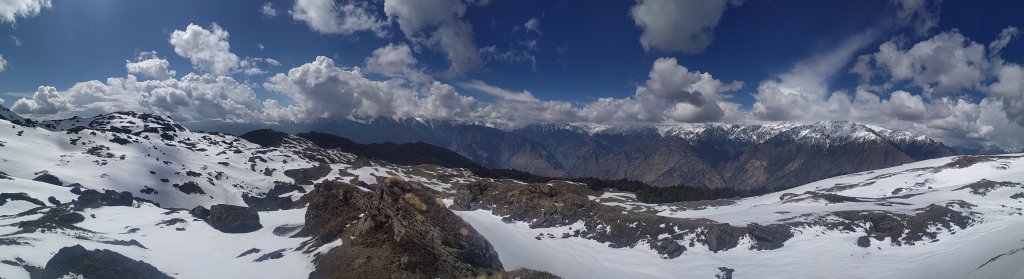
(485, 145)
(985, 149)
(10, 116)
(130, 195)
(737, 156)
(703, 155)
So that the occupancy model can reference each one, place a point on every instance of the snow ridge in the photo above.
(822, 132)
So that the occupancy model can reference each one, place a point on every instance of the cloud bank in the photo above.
(946, 86)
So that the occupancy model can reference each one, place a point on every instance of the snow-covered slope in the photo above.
(151, 156)
(10, 116)
(954, 217)
(46, 169)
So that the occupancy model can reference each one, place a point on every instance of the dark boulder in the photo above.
(234, 219)
(49, 178)
(281, 188)
(71, 218)
(190, 188)
(200, 212)
(724, 273)
(268, 203)
(307, 175)
(721, 237)
(468, 197)
(769, 237)
(864, 241)
(97, 264)
(669, 248)
(93, 199)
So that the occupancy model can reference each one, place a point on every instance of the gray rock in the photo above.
(49, 178)
(200, 212)
(233, 219)
(668, 247)
(93, 199)
(97, 264)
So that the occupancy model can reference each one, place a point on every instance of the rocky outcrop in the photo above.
(233, 219)
(902, 229)
(96, 264)
(400, 230)
(58, 218)
(984, 186)
(265, 137)
(93, 199)
(5, 197)
(524, 274)
(559, 204)
(307, 175)
(272, 200)
(330, 210)
(200, 212)
(49, 179)
(267, 203)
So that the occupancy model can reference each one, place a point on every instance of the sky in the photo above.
(949, 69)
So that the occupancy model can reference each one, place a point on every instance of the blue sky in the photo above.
(581, 61)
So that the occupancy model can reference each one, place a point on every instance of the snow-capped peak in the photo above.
(6, 114)
(824, 132)
(127, 122)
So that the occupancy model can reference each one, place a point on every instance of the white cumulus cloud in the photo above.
(396, 61)
(686, 26)
(331, 17)
(193, 97)
(208, 50)
(10, 10)
(46, 100)
(268, 10)
(322, 89)
(438, 24)
(150, 65)
(944, 64)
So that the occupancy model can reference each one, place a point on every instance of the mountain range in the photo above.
(744, 157)
(135, 195)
